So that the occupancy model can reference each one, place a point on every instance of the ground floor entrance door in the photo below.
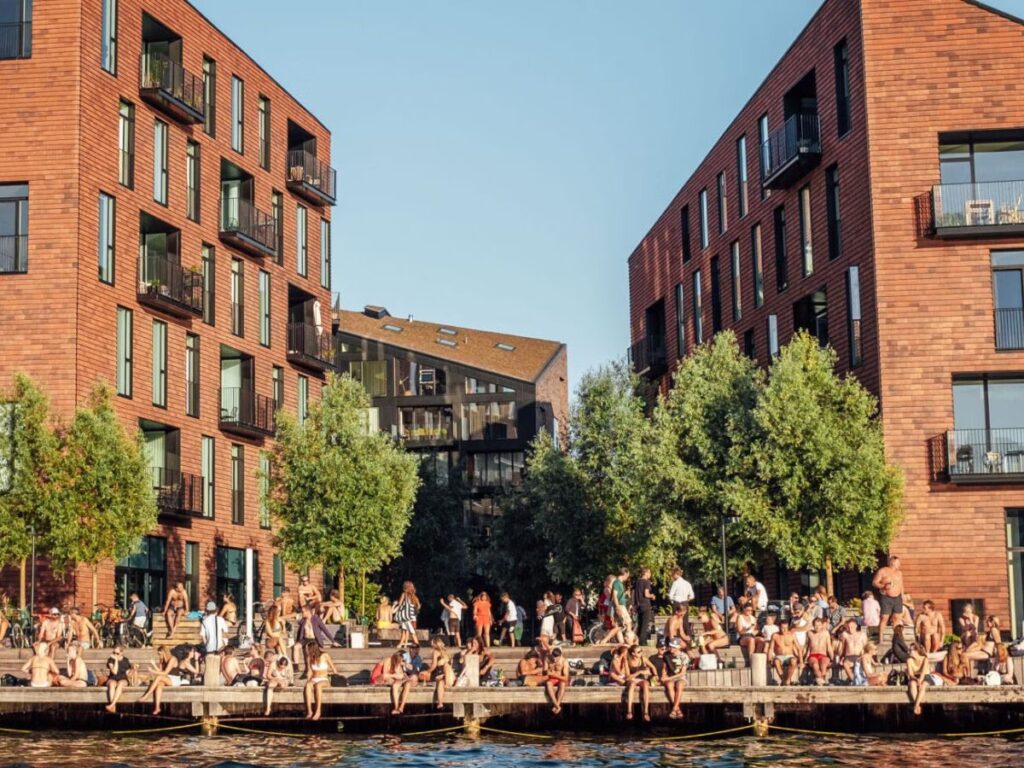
(145, 573)
(231, 576)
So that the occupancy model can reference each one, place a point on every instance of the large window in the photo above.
(680, 322)
(15, 29)
(209, 284)
(475, 386)
(277, 214)
(126, 145)
(302, 399)
(1008, 298)
(716, 296)
(723, 205)
(237, 484)
(741, 175)
(372, 374)
(684, 232)
(208, 464)
(703, 218)
(988, 419)
(237, 298)
(237, 114)
(810, 314)
(124, 352)
(108, 41)
(278, 576)
(853, 318)
(160, 363)
(105, 255)
(757, 262)
(277, 386)
(210, 95)
(737, 284)
(762, 135)
(160, 162)
(192, 183)
(489, 421)
(806, 245)
(325, 253)
(191, 374)
(264, 283)
(982, 181)
(494, 470)
(300, 241)
(413, 379)
(13, 228)
(781, 257)
(841, 55)
(833, 213)
(264, 483)
(144, 573)
(426, 423)
(698, 310)
(264, 104)
(773, 335)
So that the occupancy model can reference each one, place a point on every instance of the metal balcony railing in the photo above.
(245, 412)
(13, 253)
(985, 454)
(166, 284)
(647, 356)
(168, 84)
(1010, 328)
(984, 207)
(309, 344)
(178, 493)
(248, 227)
(306, 171)
(16, 40)
(797, 140)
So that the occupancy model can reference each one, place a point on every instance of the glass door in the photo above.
(1015, 567)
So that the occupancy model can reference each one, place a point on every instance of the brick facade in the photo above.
(60, 320)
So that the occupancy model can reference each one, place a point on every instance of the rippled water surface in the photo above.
(94, 750)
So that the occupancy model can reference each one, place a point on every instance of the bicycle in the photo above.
(259, 621)
(22, 631)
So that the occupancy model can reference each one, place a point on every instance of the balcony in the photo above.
(171, 88)
(1010, 328)
(168, 287)
(978, 209)
(311, 178)
(247, 228)
(13, 254)
(179, 495)
(790, 152)
(979, 456)
(310, 346)
(648, 358)
(243, 412)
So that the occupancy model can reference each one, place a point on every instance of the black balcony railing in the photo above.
(309, 175)
(1010, 328)
(178, 493)
(978, 208)
(168, 85)
(310, 345)
(985, 455)
(16, 40)
(167, 285)
(247, 227)
(790, 150)
(13, 253)
(244, 412)
(647, 357)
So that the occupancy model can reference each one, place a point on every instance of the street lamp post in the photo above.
(32, 588)
(726, 520)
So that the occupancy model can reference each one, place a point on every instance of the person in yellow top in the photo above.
(384, 613)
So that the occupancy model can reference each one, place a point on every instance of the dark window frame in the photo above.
(736, 274)
(781, 252)
(237, 484)
(841, 61)
(684, 233)
(723, 203)
(698, 308)
(210, 94)
(757, 264)
(192, 374)
(742, 177)
(833, 212)
(853, 317)
(680, 321)
(193, 173)
(126, 134)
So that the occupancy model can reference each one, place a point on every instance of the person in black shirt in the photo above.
(642, 596)
(118, 668)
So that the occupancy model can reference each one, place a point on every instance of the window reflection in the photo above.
(413, 379)
(489, 421)
(433, 423)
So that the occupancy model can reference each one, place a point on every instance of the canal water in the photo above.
(884, 751)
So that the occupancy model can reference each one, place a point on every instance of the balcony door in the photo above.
(1008, 297)
(988, 423)
(1015, 568)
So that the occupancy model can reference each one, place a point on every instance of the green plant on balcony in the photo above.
(951, 219)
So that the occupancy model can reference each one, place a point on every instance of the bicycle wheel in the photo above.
(596, 632)
(134, 637)
(17, 636)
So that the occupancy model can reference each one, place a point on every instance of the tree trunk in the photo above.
(341, 585)
(21, 583)
(95, 578)
(362, 600)
(829, 581)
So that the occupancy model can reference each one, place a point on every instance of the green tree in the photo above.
(104, 500)
(28, 454)
(341, 497)
(827, 496)
(703, 431)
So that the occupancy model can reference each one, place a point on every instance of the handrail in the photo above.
(159, 71)
(241, 216)
(307, 168)
(977, 204)
(798, 135)
(163, 278)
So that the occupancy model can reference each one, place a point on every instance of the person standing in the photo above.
(213, 629)
(681, 591)
(509, 620)
(871, 611)
(138, 611)
(620, 607)
(406, 610)
(642, 597)
(889, 583)
(482, 617)
(573, 609)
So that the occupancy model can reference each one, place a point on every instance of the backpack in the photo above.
(377, 673)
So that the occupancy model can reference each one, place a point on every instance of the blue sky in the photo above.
(497, 163)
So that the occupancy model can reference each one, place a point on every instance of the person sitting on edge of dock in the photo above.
(984, 648)
(393, 675)
(784, 655)
(488, 672)
(899, 651)
(1001, 664)
(930, 627)
(556, 671)
(919, 676)
(43, 673)
(673, 677)
(318, 668)
(820, 651)
(230, 669)
(800, 623)
(118, 673)
(639, 673)
(769, 628)
(276, 674)
(163, 675)
(275, 630)
(853, 642)
(745, 626)
(440, 670)
(868, 661)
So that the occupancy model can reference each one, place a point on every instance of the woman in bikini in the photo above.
(229, 611)
(175, 607)
(984, 648)
(333, 609)
(43, 673)
(617, 669)
(320, 667)
(164, 669)
(968, 623)
(275, 675)
(639, 673)
(869, 665)
(955, 665)
(275, 630)
(384, 613)
(714, 636)
(440, 671)
(394, 675)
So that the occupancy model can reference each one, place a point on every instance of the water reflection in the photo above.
(99, 751)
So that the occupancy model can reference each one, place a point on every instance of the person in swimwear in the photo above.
(784, 654)
(820, 651)
(557, 670)
(854, 640)
(43, 673)
(318, 665)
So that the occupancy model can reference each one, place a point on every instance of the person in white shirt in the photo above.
(757, 593)
(681, 591)
(213, 629)
(509, 620)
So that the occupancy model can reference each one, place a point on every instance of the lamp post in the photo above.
(32, 588)
(726, 520)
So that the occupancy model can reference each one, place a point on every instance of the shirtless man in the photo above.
(50, 630)
(557, 672)
(854, 641)
(42, 671)
(673, 677)
(930, 627)
(229, 666)
(175, 607)
(819, 651)
(529, 671)
(84, 631)
(308, 594)
(889, 583)
(784, 654)
(676, 624)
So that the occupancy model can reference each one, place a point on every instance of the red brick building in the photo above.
(871, 192)
(165, 227)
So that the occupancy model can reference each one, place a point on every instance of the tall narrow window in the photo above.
(278, 576)
(325, 253)
(806, 246)
(300, 240)
(853, 315)
(758, 265)
(108, 42)
(737, 284)
(237, 298)
(15, 29)
(264, 489)
(749, 345)
(773, 335)
(107, 237)
(191, 374)
(833, 213)
(264, 104)
(207, 467)
(264, 308)
(160, 162)
(723, 205)
(13, 228)
(277, 386)
(302, 394)
(841, 55)
(680, 323)
(209, 284)
(698, 310)
(781, 257)
(160, 363)
(762, 135)
(277, 213)
(210, 96)
(237, 485)
(684, 232)
(1008, 298)
(124, 352)
(716, 296)
(126, 145)
(237, 114)
(741, 175)
(703, 218)
(192, 176)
